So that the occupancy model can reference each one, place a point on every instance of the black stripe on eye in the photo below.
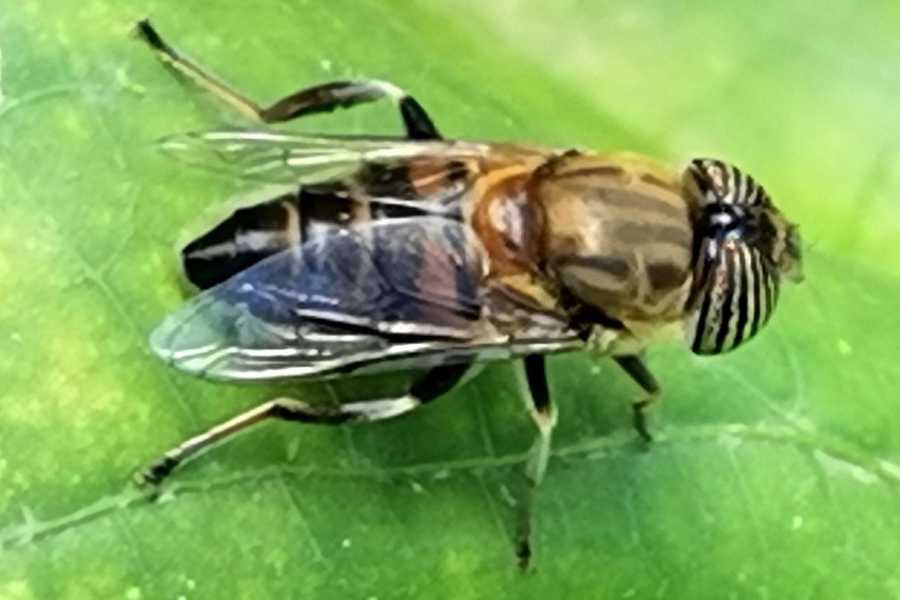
(726, 183)
(760, 294)
(754, 194)
(772, 298)
(746, 275)
(734, 184)
(707, 284)
(729, 274)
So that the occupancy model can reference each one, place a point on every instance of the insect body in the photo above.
(384, 254)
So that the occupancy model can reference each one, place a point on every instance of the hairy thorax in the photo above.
(617, 235)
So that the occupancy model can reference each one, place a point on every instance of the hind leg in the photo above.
(636, 367)
(320, 98)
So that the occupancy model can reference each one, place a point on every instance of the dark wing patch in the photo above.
(339, 298)
(419, 275)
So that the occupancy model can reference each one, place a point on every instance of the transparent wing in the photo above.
(369, 295)
(305, 159)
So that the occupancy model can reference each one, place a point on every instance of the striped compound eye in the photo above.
(743, 247)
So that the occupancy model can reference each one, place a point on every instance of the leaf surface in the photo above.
(775, 473)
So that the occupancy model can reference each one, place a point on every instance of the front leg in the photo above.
(636, 367)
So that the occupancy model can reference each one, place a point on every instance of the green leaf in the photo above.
(775, 473)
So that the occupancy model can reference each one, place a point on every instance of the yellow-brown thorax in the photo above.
(610, 236)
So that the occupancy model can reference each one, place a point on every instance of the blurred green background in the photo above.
(776, 470)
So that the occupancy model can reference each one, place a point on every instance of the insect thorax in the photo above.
(618, 236)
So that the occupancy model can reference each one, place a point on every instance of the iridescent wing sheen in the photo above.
(384, 295)
(305, 158)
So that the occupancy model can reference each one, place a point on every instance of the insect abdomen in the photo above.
(255, 232)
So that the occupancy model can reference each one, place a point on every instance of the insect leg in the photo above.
(325, 97)
(636, 367)
(180, 63)
(332, 95)
(433, 384)
(544, 415)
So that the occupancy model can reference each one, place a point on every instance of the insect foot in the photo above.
(151, 478)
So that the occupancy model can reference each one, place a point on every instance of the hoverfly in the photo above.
(419, 252)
